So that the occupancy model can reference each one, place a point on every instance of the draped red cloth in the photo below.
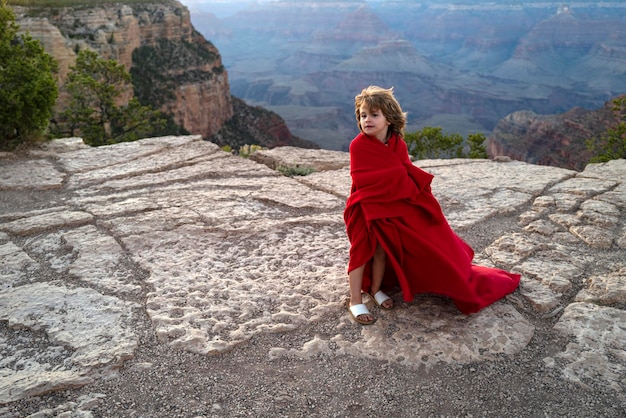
(391, 204)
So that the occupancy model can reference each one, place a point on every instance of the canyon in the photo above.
(461, 65)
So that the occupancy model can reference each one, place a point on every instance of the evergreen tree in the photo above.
(95, 86)
(476, 146)
(28, 89)
(433, 143)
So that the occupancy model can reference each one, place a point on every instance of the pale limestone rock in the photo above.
(553, 268)
(33, 174)
(541, 227)
(336, 182)
(82, 329)
(95, 326)
(157, 219)
(566, 220)
(51, 250)
(596, 237)
(599, 207)
(596, 356)
(602, 214)
(491, 188)
(298, 196)
(566, 202)
(617, 196)
(311, 349)
(41, 222)
(530, 216)
(239, 286)
(61, 145)
(510, 250)
(565, 238)
(15, 265)
(98, 259)
(544, 202)
(156, 165)
(540, 296)
(91, 158)
(611, 170)
(621, 240)
(430, 331)
(292, 157)
(606, 289)
(8, 217)
(230, 249)
(33, 382)
(582, 187)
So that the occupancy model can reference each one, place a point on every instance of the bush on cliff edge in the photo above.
(28, 90)
(95, 87)
(611, 145)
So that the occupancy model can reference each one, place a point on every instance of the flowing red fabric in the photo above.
(391, 204)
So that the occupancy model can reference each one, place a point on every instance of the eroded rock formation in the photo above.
(556, 140)
(182, 73)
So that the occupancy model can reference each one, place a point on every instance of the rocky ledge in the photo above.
(165, 254)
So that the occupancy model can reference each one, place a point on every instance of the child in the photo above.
(398, 233)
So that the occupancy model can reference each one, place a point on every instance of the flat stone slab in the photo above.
(17, 174)
(596, 356)
(217, 249)
(76, 331)
(293, 157)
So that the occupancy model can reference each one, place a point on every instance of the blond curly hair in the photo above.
(379, 99)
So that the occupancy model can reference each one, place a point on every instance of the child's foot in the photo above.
(383, 300)
(360, 313)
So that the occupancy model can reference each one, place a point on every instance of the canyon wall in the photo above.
(180, 72)
(557, 140)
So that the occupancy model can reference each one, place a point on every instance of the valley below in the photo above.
(462, 66)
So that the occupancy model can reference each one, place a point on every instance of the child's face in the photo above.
(373, 123)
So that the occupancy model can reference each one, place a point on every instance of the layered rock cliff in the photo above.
(258, 126)
(556, 140)
(180, 72)
(174, 68)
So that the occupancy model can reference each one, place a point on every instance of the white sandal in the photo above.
(358, 310)
(380, 297)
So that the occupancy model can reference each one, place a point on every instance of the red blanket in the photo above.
(391, 204)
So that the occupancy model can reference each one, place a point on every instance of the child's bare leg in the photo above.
(355, 277)
(378, 271)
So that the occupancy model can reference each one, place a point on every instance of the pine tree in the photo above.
(95, 86)
(28, 88)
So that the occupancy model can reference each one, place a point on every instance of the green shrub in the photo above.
(476, 144)
(28, 89)
(295, 171)
(611, 145)
(94, 86)
(431, 142)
